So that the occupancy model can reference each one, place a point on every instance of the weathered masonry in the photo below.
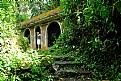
(48, 25)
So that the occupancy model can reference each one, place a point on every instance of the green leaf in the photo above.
(118, 6)
(119, 75)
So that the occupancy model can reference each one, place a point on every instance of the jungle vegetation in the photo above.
(92, 34)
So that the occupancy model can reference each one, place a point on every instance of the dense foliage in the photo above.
(24, 66)
(92, 33)
(15, 64)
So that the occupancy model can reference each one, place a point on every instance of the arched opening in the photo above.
(27, 34)
(53, 31)
(38, 37)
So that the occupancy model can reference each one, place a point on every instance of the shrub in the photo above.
(23, 43)
(23, 66)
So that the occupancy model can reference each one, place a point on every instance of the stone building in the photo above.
(48, 25)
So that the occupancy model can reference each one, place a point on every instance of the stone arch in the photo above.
(27, 34)
(53, 32)
(37, 29)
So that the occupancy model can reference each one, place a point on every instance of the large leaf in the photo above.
(118, 6)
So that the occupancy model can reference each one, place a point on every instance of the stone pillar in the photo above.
(22, 33)
(43, 38)
(61, 26)
(32, 38)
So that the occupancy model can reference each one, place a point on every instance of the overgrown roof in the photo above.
(42, 18)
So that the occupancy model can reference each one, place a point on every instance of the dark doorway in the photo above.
(27, 34)
(38, 31)
(53, 31)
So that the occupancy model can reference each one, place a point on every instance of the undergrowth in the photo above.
(24, 66)
(92, 34)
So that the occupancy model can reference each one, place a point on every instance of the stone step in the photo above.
(57, 78)
(73, 73)
(72, 79)
(67, 63)
(63, 64)
(63, 58)
(57, 65)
